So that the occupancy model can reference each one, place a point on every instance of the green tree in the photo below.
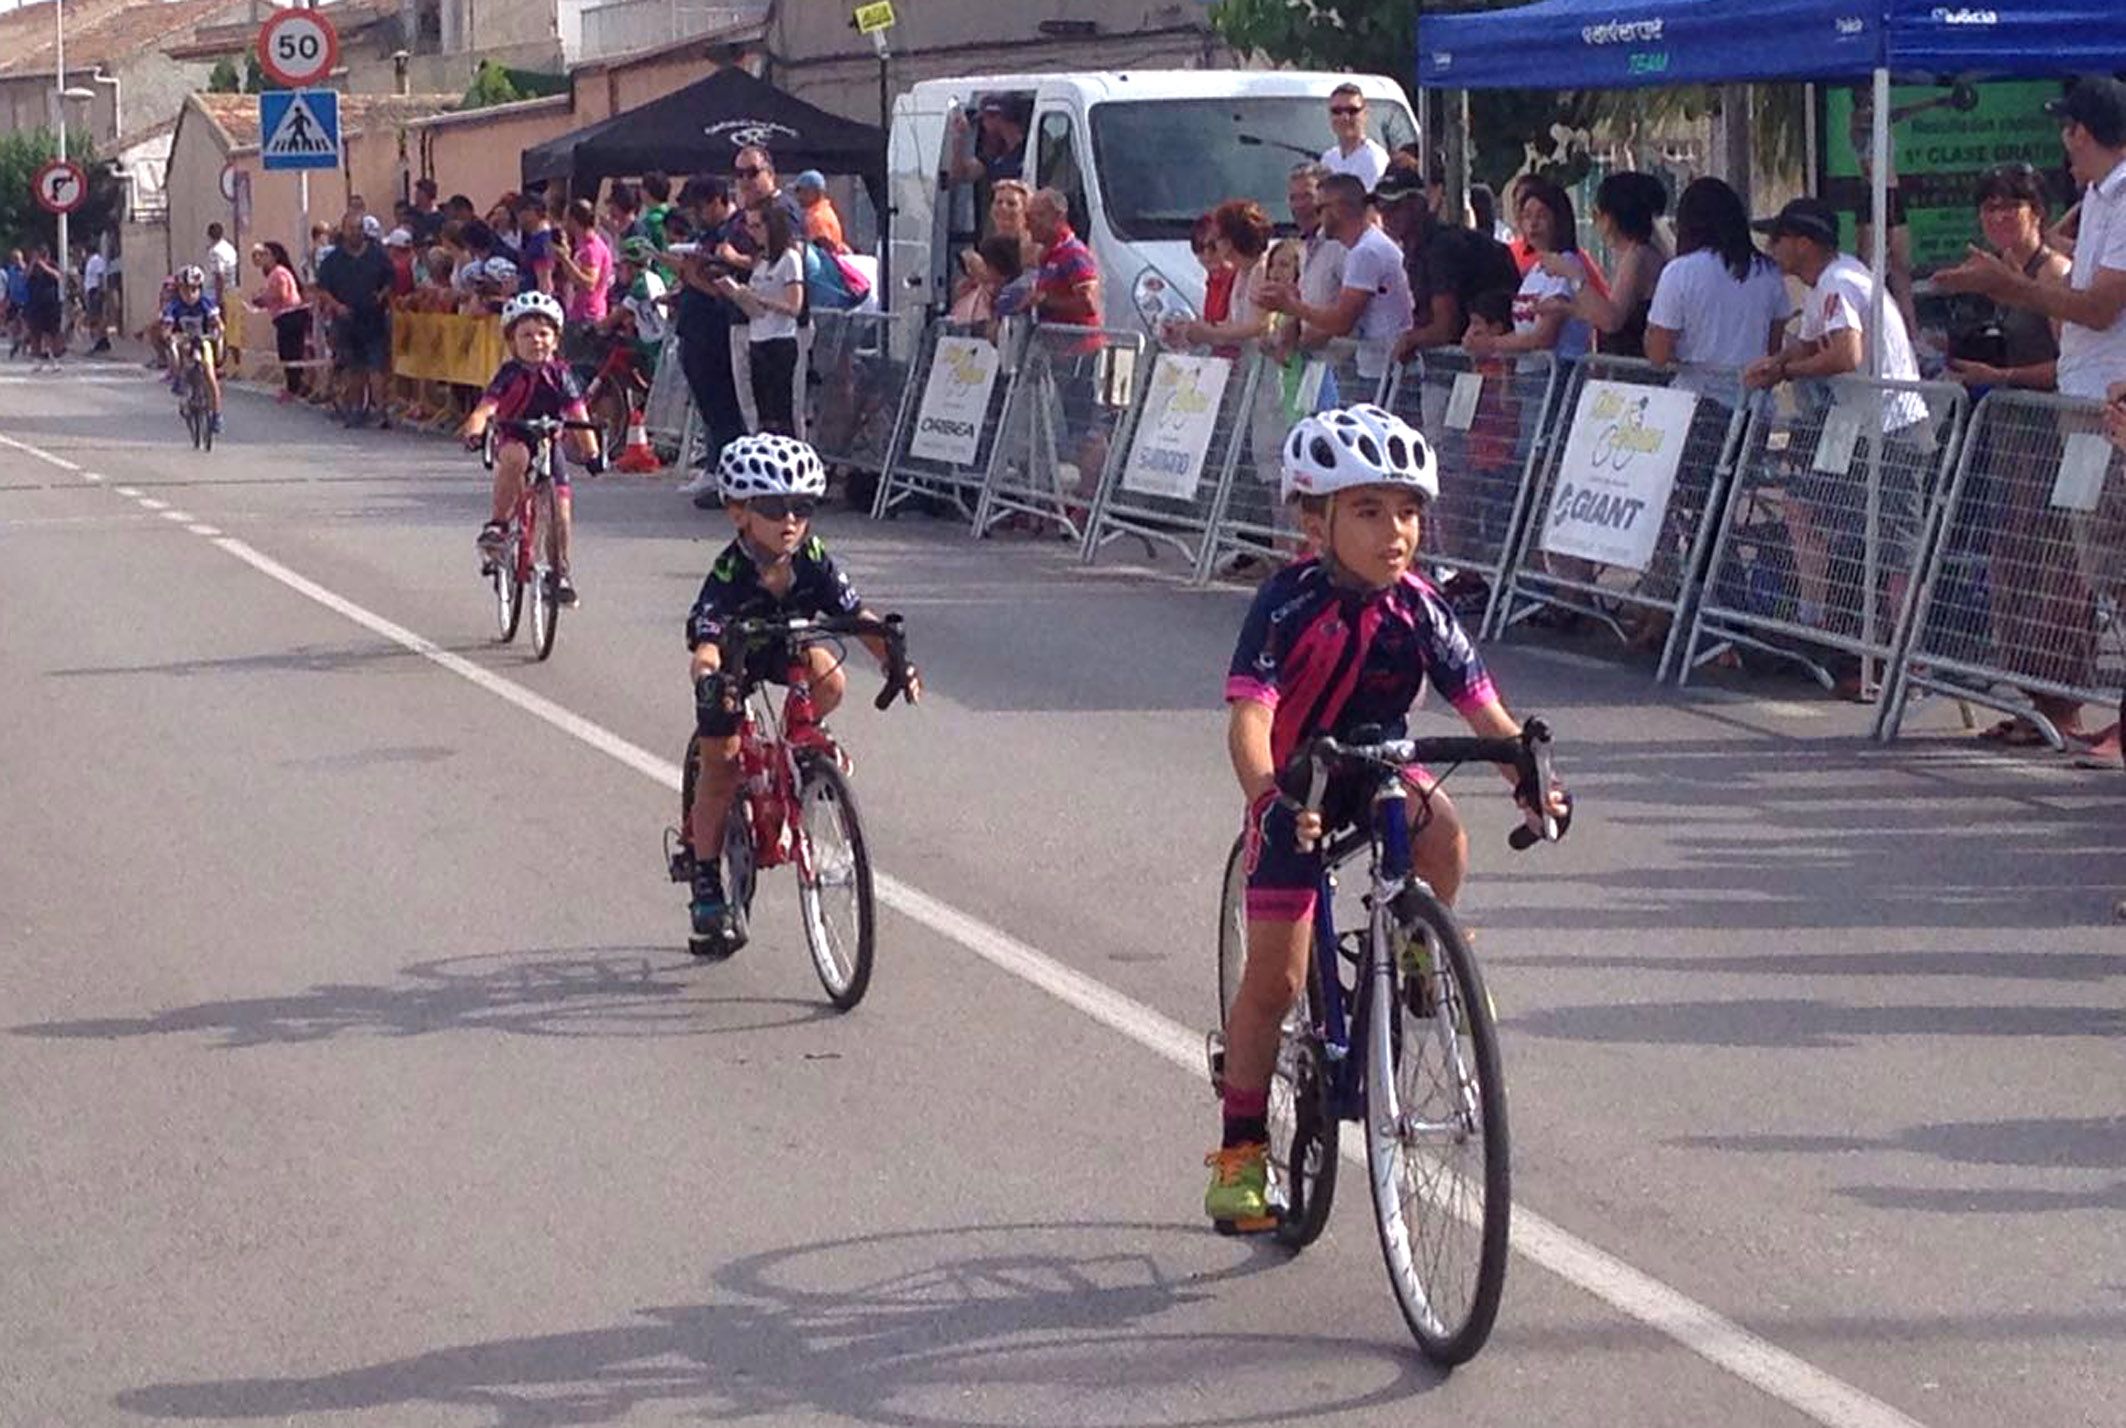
(22, 221)
(256, 80)
(223, 78)
(1341, 35)
(490, 85)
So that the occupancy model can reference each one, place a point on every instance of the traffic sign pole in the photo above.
(59, 102)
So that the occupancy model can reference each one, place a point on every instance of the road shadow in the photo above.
(2072, 1144)
(965, 1327)
(573, 992)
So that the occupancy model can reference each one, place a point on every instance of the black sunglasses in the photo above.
(782, 508)
(1346, 110)
(748, 172)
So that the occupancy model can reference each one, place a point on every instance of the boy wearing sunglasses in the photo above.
(771, 485)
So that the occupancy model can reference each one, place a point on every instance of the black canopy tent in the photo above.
(701, 128)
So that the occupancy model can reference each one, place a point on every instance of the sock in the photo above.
(1246, 1117)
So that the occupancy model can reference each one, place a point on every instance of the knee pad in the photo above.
(717, 709)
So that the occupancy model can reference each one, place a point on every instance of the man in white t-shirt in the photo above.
(1352, 153)
(2091, 308)
(1374, 305)
(93, 272)
(1831, 515)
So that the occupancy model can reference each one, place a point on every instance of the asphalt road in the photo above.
(352, 1069)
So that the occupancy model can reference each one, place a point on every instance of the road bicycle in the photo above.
(529, 570)
(794, 804)
(194, 405)
(1394, 1030)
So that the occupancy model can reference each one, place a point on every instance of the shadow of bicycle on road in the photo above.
(572, 992)
(963, 1327)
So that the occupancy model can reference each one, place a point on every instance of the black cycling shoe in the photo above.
(719, 929)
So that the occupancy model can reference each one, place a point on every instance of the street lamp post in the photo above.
(59, 114)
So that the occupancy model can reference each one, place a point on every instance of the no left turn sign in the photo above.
(61, 186)
(298, 47)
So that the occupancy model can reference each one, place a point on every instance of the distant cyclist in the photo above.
(188, 310)
(1333, 643)
(532, 382)
(771, 485)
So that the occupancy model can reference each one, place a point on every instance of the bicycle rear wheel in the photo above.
(545, 609)
(1302, 1150)
(834, 895)
(1436, 1138)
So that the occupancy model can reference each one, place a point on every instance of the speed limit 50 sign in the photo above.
(298, 47)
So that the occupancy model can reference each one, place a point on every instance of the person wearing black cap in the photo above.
(2091, 308)
(1826, 516)
(1449, 266)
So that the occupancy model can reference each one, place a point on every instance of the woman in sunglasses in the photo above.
(2020, 348)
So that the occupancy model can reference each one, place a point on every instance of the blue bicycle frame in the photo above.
(1391, 840)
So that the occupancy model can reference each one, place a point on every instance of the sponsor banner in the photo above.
(1618, 468)
(948, 424)
(1174, 434)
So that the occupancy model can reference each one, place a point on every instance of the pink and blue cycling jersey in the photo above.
(1328, 659)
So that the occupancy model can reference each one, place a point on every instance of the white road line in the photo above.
(149, 503)
(203, 530)
(1784, 1376)
(180, 517)
(127, 491)
(90, 476)
(45, 456)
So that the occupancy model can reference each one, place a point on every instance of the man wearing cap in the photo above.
(2091, 308)
(1000, 148)
(1449, 266)
(1827, 516)
(822, 223)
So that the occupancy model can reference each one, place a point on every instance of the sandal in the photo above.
(2015, 733)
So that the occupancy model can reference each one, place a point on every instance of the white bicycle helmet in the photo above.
(498, 270)
(769, 465)
(1360, 445)
(532, 304)
(191, 277)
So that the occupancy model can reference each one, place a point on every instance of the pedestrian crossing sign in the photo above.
(299, 128)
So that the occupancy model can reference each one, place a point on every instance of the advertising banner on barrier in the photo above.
(948, 425)
(1617, 471)
(1180, 418)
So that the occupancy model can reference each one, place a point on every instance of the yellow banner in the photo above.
(445, 347)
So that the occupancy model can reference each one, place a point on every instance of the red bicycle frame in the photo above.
(767, 770)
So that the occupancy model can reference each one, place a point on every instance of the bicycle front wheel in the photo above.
(509, 597)
(545, 609)
(1303, 1132)
(834, 894)
(1436, 1139)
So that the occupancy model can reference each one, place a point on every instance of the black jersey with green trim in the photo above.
(734, 591)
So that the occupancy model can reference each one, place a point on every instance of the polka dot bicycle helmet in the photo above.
(191, 277)
(1360, 445)
(531, 304)
(769, 465)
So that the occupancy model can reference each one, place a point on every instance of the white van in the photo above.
(1139, 154)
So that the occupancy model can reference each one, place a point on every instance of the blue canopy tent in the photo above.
(1590, 44)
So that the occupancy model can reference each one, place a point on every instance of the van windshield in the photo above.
(1162, 162)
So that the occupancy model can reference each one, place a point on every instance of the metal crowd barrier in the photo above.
(1828, 523)
(668, 413)
(948, 434)
(1487, 422)
(1248, 521)
(2022, 596)
(1182, 439)
(859, 380)
(1061, 427)
(1625, 506)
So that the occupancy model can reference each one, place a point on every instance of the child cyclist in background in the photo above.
(532, 382)
(190, 304)
(1335, 641)
(771, 485)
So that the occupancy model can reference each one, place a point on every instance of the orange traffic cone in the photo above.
(639, 455)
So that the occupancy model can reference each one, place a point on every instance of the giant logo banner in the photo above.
(1617, 471)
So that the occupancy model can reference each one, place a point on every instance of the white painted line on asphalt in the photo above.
(127, 491)
(45, 456)
(1784, 1376)
(90, 476)
(203, 530)
(149, 503)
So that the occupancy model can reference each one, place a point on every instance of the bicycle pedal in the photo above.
(1235, 1228)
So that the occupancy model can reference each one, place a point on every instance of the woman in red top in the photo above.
(280, 298)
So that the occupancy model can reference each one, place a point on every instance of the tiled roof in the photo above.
(237, 114)
(232, 35)
(98, 32)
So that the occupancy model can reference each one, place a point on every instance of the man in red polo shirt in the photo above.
(1067, 284)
